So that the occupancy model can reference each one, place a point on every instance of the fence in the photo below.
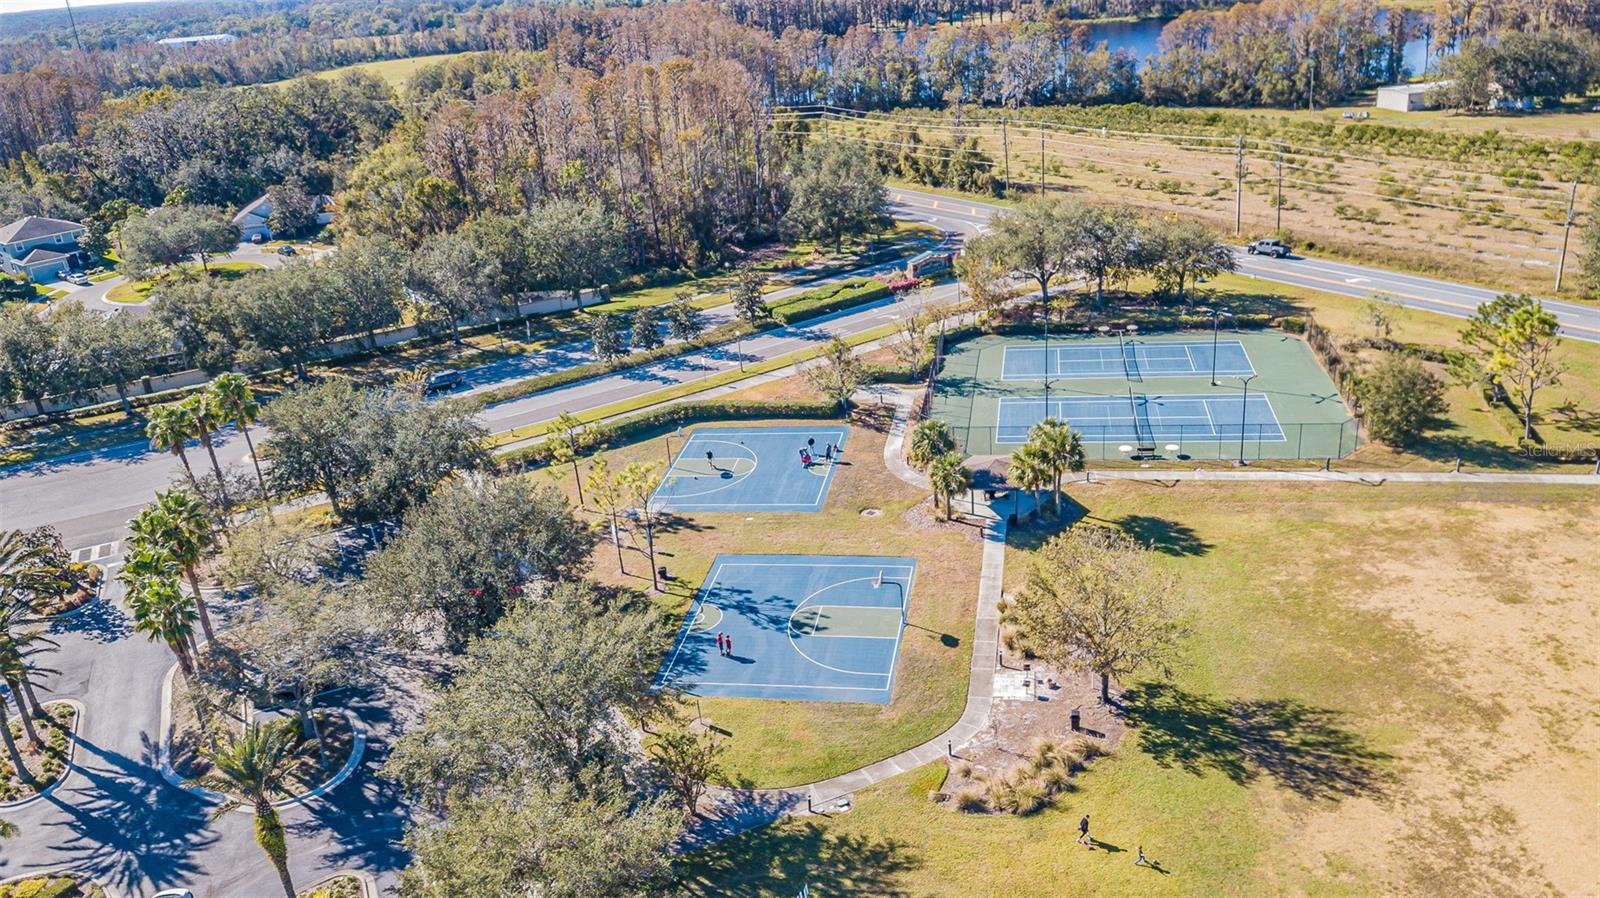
(1250, 442)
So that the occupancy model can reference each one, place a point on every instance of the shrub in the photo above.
(962, 769)
(1399, 398)
(831, 298)
(1027, 796)
(971, 800)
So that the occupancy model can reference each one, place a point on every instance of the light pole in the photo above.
(1244, 407)
(669, 437)
(1216, 318)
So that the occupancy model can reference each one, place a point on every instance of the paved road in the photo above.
(116, 818)
(1578, 321)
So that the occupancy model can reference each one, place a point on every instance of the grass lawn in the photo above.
(1469, 430)
(20, 444)
(139, 291)
(395, 71)
(1366, 706)
(777, 743)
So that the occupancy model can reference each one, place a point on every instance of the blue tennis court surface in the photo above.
(751, 469)
(820, 628)
(1152, 419)
(1134, 359)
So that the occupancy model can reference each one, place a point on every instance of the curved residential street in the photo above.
(116, 818)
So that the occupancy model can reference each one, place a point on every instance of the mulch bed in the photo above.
(49, 762)
(336, 887)
(84, 590)
(923, 517)
(52, 887)
(1016, 725)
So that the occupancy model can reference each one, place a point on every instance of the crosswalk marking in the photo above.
(102, 552)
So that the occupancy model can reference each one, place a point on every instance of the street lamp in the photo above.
(1216, 318)
(1244, 407)
(669, 436)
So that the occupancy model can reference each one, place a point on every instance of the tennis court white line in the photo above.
(1210, 422)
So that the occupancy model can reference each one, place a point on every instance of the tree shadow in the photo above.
(128, 827)
(781, 859)
(99, 621)
(1166, 536)
(1304, 748)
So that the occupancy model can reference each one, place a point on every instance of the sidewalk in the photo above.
(1368, 478)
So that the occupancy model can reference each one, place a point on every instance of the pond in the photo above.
(1138, 38)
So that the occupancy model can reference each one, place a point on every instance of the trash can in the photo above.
(1077, 720)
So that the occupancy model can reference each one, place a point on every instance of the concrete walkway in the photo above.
(728, 812)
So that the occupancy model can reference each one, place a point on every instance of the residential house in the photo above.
(40, 249)
(253, 220)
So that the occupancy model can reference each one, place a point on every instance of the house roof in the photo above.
(1420, 87)
(33, 227)
(42, 255)
(261, 207)
(252, 209)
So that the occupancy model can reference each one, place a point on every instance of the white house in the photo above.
(39, 249)
(253, 219)
(1407, 97)
(196, 39)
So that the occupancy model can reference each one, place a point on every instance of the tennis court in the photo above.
(1133, 359)
(1270, 398)
(1144, 419)
(752, 469)
(823, 628)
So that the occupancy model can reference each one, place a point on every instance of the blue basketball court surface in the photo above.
(821, 628)
(751, 469)
(1155, 419)
(1133, 359)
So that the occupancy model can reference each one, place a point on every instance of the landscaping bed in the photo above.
(84, 585)
(52, 886)
(188, 760)
(343, 885)
(49, 763)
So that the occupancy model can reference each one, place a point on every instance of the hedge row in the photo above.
(721, 334)
(831, 298)
(662, 419)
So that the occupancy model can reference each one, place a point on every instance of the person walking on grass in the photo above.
(1083, 833)
(1141, 860)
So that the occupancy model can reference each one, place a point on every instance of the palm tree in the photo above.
(20, 648)
(179, 524)
(237, 402)
(1030, 472)
(929, 439)
(161, 611)
(947, 477)
(204, 415)
(167, 426)
(25, 568)
(256, 767)
(11, 745)
(1060, 448)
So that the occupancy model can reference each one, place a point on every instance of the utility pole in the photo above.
(74, 20)
(1566, 234)
(1238, 189)
(1041, 158)
(1280, 192)
(1005, 145)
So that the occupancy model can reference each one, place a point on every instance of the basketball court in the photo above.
(822, 628)
(752, 469)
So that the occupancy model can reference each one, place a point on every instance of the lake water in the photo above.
(1139, 40)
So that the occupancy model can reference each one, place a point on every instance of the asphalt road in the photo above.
(1578, 321)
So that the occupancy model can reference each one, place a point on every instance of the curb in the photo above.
(72, 754)
(99, 596)
(369, 883)
(358, 749)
